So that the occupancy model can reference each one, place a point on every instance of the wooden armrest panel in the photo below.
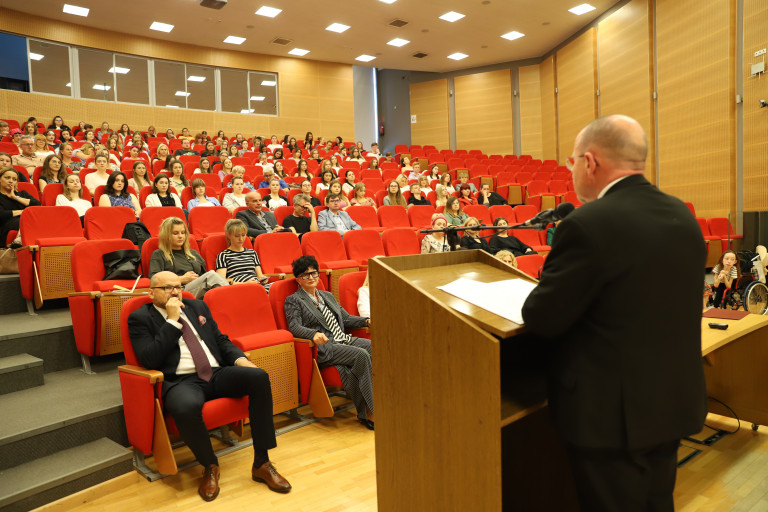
(303, 340)
(154, 376)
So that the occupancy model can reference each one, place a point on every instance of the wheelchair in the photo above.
(750, 291)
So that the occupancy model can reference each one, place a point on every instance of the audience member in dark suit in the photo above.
(258, 221)
(626, 380)
(315, 315)
(166, 336)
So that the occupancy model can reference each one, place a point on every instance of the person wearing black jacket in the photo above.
(488, 198)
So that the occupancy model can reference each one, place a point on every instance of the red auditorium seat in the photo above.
(400, 242)
(276, 253)
(214, 244)
(366, 217)
(107, 223)
(328, 249)
(530, 264)
(363, 244)
(393, 216)
(420, 215)
(348, 286)
(207, 220)
(153, 216)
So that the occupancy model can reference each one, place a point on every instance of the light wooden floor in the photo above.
(332, 467)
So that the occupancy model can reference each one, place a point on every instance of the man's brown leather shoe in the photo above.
(269, 475)
(209, 487)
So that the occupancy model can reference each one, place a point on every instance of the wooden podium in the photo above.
(461, 420)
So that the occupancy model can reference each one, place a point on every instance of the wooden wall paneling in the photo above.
(696, 109)
(484, 112)
(549, 134)
(576, 89)
(626, 73)
(530, 111)
(755, 162)
(429, 103)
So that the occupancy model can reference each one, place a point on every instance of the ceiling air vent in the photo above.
(419, 55)
(282, 41)
(397, 23)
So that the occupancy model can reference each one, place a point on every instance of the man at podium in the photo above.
(619, 304)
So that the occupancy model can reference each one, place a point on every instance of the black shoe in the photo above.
(366, 423)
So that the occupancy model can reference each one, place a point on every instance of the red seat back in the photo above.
(107, 223)
(393, 216)
(153, 216)
(530, 264)
(241, 310)
(363, 244)
(215, 243)
(524, 212)
(502, 210)
(365, 216)
(87, 263)
(420, 215)
(49, 222)
(324, 246)
(210, 219)
(400, 241)
(276, 250)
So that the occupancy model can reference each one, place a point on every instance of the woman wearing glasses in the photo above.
(315, 315)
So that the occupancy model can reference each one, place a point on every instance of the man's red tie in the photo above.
(202, 364)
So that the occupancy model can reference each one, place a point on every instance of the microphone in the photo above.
(551, 215)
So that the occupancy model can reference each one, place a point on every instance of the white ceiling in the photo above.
(545, 23)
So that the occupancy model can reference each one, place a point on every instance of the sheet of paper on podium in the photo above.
(503, 298)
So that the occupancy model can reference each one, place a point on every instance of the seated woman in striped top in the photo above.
(236, 263)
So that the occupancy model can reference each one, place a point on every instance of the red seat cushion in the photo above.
(58, 242)
(262, 339)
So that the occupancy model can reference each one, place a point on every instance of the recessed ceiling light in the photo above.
(247, 111)
(388, 1)
(182, 93)
(458, 56)
(257, 98)
(100, 87)
(195, 78)
(234, 40)
(171, 106)
(36, 56)
(452, 16)
(337, 27)
(268, 83)
(581, 9)
(160, 27)
(77, 11)
(269, 12)
(513, 35)
(398, 42)
(299, 52)
(365, 58)
(119, 70)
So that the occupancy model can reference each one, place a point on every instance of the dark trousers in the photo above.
(719, 292)
(184, 402)
(626, 481)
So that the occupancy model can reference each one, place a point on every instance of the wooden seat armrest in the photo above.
(93, 295)
(304, 340)
(279, 275)
(32, 248)
(154, 376)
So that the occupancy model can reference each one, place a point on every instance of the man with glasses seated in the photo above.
(27, 158)
(180, 338)
(315, 315)
(334, 219)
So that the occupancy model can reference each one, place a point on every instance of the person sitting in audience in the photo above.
(335, 188)
(471, 238)
(50, 139)
(299, 222)
(236, 263)
(81, 127)
(174, 255)
(65, 153)
(178, 179)
(405, 164)
(296, 155)
(389, 158)
(16, 135)
(169, 134)
(226, 167)
(364, 299)
(335, 164)
(374, 165)
(302, 170)
(355, 156)
(351, 356)
(58, 124)
(256, 220)
(104, 130)
(394, 196)
(186, 149)
(464, 180)
(113, 146)
(151, 131)
(424, 185)
(349, 181)
(72, 195)
(488, 198)
(200, 199)
(238, 171)
(162, 155)
(503, 240)
(84, 152)
(309, 142)
(438, 241)
(465, 196)
(333, 219)
(5, 129)
(434, 173)
(236, 198)
(314, 154)
(141, 177)
(507, 257)
(279, 172)
(27, 157)
(445, 181)
(136, 140)
(274, 200)
(359, 198)
(402, 182)
(209, 151)
(726, 271)
(101, 175)
(116, 193)
(12, 203)
(453, 213)
(162, 194)
(264, 162)
(269, 175)
(342, 153)
(326, 165)
(124, 133)
(274, 143)
(141, 146)
(415, 173)
(374, 150)
(306, 189)
(65, 136)
(30, 129)
(416, 197)
(204, 167)
(53, 172)
(325, 181)
(277, 154)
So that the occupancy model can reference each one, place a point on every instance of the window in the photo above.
(97, 82)
(234, 91)
(263, 98)
(49, 68)
(170, 84)
(201, 87)
(132, 79)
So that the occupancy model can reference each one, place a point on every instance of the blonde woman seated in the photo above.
(394, 196)
(116, 193)
(335, 188)
(174, 255)
(200, 199)
(402, 182)
(162, 195)
(424, 185)
(442, 196)
(359, 198)
(436, 242)
(507, 257)
(162, 154)
(236, 263)
(453, 212)
(471, 238)
(274, 200)
(41, 146)
(235, 199)
(72, 195)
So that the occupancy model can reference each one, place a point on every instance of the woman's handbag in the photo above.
(8, 262)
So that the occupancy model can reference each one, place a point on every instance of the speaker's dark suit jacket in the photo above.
(156, 342)
(620, 298)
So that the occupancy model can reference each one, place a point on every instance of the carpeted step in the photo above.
(18, 372)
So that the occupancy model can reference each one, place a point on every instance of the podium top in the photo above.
(712, 339)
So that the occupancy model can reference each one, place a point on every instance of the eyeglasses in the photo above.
(169, 289)
(309, 275)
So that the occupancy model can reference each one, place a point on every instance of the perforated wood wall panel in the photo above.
(484, 112)
(755, 118)
(279, 361)
(696, 109)
(109, 322)
(626, 74)
(548, 81)
(577, 88)
(429, 103)
(530, 111)
(55, 272)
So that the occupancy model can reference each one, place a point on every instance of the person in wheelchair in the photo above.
(726, 272)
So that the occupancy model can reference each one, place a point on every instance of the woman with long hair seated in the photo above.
(236, 263)
(445, 181)
(116, 193)
(203, 167)
(349, 181)
(326, 178)
(141, 177)
(302, 170)
(226, 167)
(235, 199)
(394, 196)
(465, 196)
(453, 212)
(65, 153)
(314, 314)
(53, 172)
(99, 177)
(274, 199)
(162, 154)
(178, 179)
(359, 198)
(441, 196)
(162, 194)
(72, 195)
(471, 238)
(335, 188)
(503, 240)
(12, 203)
(173, 254)
(200, 199)
(438, 241)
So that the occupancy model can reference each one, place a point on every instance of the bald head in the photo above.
(618, 139)
(161, 278)
(253, 201)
